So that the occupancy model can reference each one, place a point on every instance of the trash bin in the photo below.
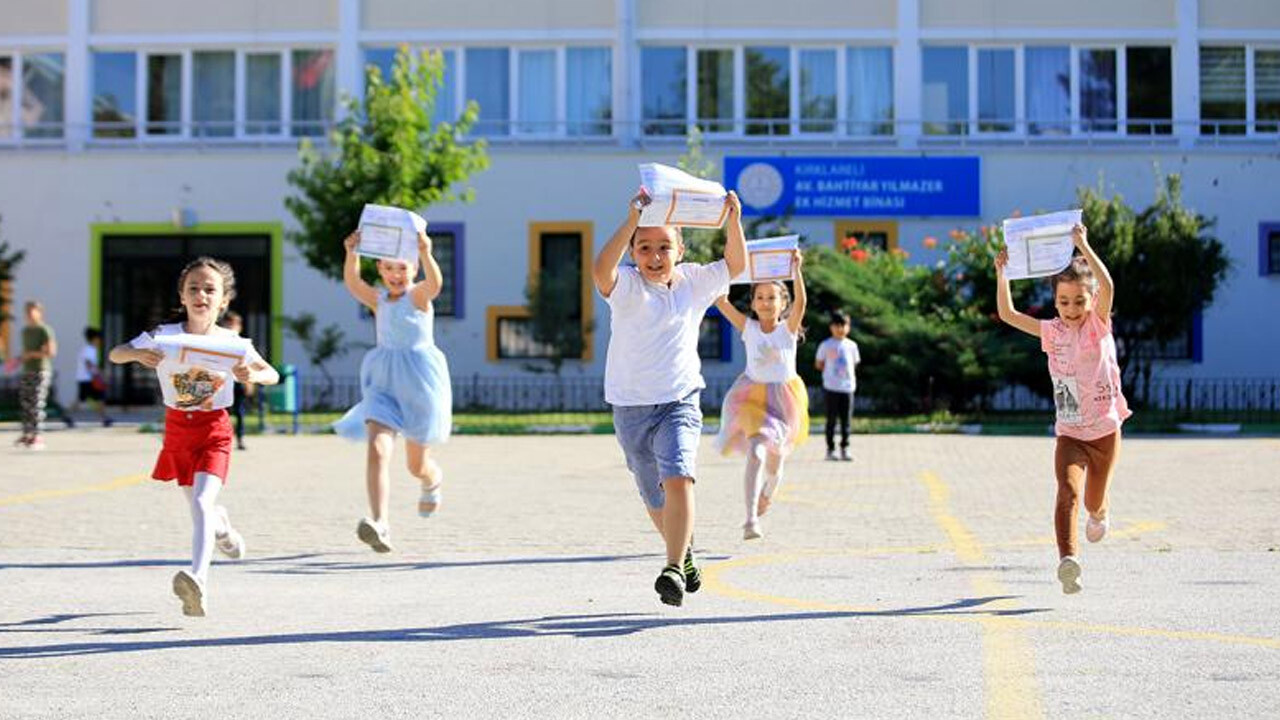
(283, 398)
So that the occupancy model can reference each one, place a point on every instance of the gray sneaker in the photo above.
(374, 535)
(1069, 575)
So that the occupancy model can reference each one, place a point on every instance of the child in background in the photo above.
(197, 431)
(233, 322)
(39, 347)
(766, 412)
(1086, 391)
(91, 385)
(404, 385)
(653, 376)
(837, 357)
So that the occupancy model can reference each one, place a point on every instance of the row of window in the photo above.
(742, 90)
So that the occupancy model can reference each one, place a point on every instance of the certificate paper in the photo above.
(389, 233)
(1040, 245)
(769, 259)
(678, 198)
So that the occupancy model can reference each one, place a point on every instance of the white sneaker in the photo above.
(375, 535)
(1095, 530)
(751, 530)
(1069, 575)
(191, 592)
(230, 543)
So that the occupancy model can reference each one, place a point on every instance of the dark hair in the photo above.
(676, 231)
(1077, 272)
(839, 317)
(219, 266)
(230, 318)
(91, 334)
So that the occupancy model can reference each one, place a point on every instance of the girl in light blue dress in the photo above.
(404, 383)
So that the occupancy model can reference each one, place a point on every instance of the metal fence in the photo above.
(1237, 400)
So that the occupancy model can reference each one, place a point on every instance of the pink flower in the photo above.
(931, 242)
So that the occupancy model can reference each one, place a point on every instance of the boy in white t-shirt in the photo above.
(837, 357)
(653, 376)
(91, 387)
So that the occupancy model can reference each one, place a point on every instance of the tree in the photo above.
(329, 343)
(555, 316)
(9, 262)
(386, 151)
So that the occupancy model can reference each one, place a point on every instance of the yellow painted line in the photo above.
(1196, 635)
(118, 483)
(1008, 668)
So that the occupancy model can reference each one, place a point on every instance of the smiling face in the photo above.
(656, 250)
(769, 301)
(1073, 302)
(396, 275)
(203, 296)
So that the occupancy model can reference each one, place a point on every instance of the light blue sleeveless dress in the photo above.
(404, 381)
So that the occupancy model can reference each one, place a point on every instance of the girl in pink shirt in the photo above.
(1086, 393)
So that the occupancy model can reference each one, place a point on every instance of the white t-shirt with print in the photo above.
(839, 358)
(771, 357)
(653, 341)
(190, 387)
(86, 363)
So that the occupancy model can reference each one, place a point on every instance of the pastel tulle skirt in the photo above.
(776, 412)
(405, 389)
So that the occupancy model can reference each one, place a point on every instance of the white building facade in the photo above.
(137, 133)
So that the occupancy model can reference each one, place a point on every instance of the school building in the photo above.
(137, 133)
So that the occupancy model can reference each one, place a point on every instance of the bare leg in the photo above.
(422, 467)
(377, 472)
(677, 517)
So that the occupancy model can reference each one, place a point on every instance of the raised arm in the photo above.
(1004, 301)
(427, 290)
(731, 313)
(605, 270)
(1106, 288)
(735, 245)
(802, 298)
(359, 289)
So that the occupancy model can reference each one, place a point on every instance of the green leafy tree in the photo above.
(555, 316)
(321, 345)
(387, 151)
(9, 262)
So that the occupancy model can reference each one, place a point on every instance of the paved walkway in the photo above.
(915, 582)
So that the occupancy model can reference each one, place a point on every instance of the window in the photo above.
(881, 235)
(663, 75)
(384, 59)
(715, 339)
(1149, 90)
(559, 254)
(115, 98)
(263, 82)
(313, 92)
(39, 103)
(1266, 93)
(8, 86)
(488, 84)
(768, 86)
(869, 90)
(817, 91)
(1098, 90)
(213, 103)
(1222, 91)
(1269, 249)
(589, 91)
(945, 105)
(715, 90)
(996, 93)
(448, 248)
(511, 335)
(536, 80)
(1048, 90)
(164, 94)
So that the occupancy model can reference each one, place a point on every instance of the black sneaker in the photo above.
(670, 585)
(692, 575)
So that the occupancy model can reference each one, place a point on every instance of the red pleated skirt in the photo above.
(197, 441)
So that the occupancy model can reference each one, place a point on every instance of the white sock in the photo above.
(205, 522)
(752, 483)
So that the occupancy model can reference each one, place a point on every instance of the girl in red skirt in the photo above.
(197, 431)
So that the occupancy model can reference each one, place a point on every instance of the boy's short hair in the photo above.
(839, 317)
(676, 231)
(34, 305)
(91, 334)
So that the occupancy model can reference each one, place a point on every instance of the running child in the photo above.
(39, 348)
(766, 412)
(197, 431)
(91, 387)
(404, 384)
(653, 376)
(837, 358)
(1086, 391)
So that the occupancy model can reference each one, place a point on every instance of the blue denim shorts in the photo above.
(659, 441)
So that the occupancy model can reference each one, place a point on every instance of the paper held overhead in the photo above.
(769, 259)
(678, 198)
(389, 233)
(1039, 245)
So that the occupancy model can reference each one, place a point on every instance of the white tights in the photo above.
(756, 483)
(207, 521)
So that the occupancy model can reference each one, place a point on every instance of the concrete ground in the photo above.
(917, 581)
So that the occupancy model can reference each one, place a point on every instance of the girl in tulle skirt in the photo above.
(766, 412)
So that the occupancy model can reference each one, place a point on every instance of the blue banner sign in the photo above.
(856, 186)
